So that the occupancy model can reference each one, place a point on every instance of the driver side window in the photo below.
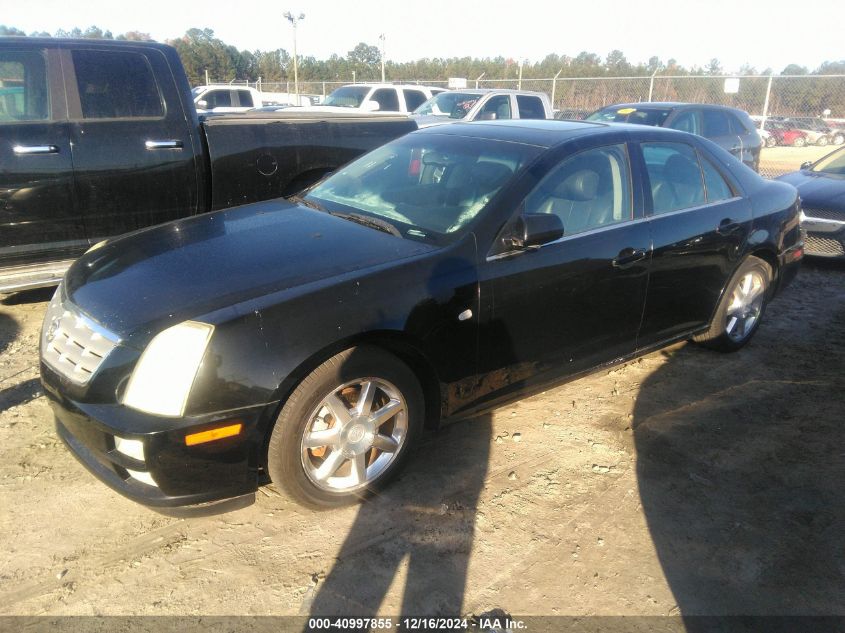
(586, 191)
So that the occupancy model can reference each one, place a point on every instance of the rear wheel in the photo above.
(822, 141)
(771, 141)
(741, 307)
(347, 429)
(799, 141)
(838, 138)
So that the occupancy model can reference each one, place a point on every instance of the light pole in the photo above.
(294, 20)
(381, 37)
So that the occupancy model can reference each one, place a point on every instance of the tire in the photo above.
(822, 141)
(799, 142)
(360, 454)
(771, 141)
(838, 138)
(741, 307)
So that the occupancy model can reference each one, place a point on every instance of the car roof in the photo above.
(484, 91)
(653, 105)
(544, 132)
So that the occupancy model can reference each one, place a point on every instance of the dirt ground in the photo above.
(685, 482)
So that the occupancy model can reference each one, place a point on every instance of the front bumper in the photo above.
(825, 237)
(165, 475)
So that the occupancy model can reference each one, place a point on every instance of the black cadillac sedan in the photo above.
(822, 188)
(308, 342)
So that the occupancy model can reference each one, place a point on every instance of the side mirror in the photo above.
(371, 106)
(806, 165)
(202, 104)
(536, 229)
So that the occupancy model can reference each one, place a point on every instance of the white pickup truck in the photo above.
(483, 105)
(225, 98)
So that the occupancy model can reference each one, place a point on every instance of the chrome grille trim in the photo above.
(825, 214)
(71, 343)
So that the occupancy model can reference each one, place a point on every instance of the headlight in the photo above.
(162, 379)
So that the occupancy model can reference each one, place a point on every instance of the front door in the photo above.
(39, 218)
(575, 302)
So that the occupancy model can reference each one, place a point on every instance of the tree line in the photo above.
(202, 52)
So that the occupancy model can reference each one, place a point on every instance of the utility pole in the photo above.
(381, 37)
(295, 20)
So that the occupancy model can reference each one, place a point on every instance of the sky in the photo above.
(762, 34)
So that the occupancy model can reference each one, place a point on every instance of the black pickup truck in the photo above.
(99, 138)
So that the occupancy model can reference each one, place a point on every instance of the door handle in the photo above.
(628, 256)
(728, 226)
(172, 144)
(27, 150)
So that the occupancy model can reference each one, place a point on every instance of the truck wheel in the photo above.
(741, 307)
(347, 428)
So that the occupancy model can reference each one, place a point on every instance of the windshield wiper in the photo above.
(307, 203)
(365, 220)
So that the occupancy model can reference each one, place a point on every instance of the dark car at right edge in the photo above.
(308, 342)
(821, 185)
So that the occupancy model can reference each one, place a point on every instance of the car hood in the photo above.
(141, 283)
(818, 190)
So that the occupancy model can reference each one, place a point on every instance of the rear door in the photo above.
(414, 98)
(39, 218)
(132, 150)
(698, 221)
(716, 126)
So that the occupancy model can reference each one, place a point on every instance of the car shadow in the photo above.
(393, 534)
(36, 295)
(740, 470)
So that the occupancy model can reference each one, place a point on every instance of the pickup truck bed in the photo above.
(99, 138)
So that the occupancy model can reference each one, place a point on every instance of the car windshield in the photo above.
(832, 164)
(455, 105)
(347, 97)
(428, 186)
(630, 114)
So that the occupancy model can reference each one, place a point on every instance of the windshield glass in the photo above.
(454, 105)
(832, 164)
(429, 186)
(616, 114)
(347, 97)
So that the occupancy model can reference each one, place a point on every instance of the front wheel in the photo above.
(771, 141)
(799, 141)
(741, 307)
(822, 141)
(838, 139)
(346, 429)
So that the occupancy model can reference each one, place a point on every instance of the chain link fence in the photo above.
(817, 97)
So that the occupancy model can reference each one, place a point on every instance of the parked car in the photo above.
(377, 97)
(837, 129)
(730, 128)
(104, 139)
(483, 105)
(822, 188)
(767, 137)
(309, 342)
(785, 134)
(817, 131)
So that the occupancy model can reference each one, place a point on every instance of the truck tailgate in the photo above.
(259, 156)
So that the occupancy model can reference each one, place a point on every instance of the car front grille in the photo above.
(71, 343)
(825, 214)
(815, 245)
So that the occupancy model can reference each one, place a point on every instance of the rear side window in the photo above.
(530, 107)
(116, 85)
(715, 123)
(23, 86)
(245, 99)
(414, 99)
(387, 99)
(717, 188)
(738, 126)
(674, 175)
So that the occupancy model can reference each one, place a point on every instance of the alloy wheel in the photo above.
(745, 307)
